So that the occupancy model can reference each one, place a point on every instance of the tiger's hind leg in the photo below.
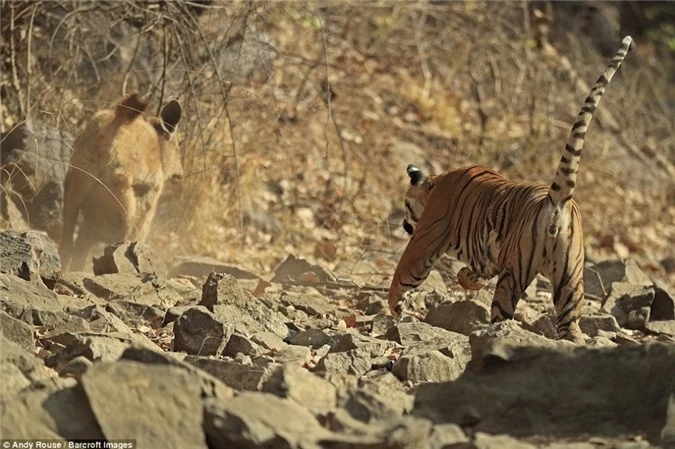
(470, 280)
(568, 292)
(509, 290)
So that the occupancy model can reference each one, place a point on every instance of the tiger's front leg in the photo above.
(412, 270)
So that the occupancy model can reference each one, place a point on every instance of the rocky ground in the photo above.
(204, 354)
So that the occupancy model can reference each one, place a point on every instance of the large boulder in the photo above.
(49, 413)
(261, 420)
(130, 257)
(233, 305)
(30, 255)
(34, 160)
(563, 391)
(156, 405)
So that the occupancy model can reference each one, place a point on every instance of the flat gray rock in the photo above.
(261, 420)
(462, 316)
(233, 374)
(130, 257)
(354, 361)
(19, 369)
(446, 436)
(377, 398)
(136, 315)
(156, 405)
(107, 347)
(486, 441)
(18, 295)
(307, 389)
(313, 304)
(598, 278)
(312, 337)
(593, 325)
(239, 344)
(299, 271)
(31, 256)
(17, 331)
(429, 366)
(662, 327)
(513, 395)
(210, 386)
(202, 266)
(53, 413)
(353, 340)
(139, 288)
(293, 355)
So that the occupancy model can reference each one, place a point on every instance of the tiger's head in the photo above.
(416, 197)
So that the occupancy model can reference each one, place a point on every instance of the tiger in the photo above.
(502, 228)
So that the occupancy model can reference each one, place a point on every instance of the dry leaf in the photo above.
(308, 277)
(260, 288)
(326, 251)
(350, 320)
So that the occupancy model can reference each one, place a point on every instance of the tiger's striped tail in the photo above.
(565, 179)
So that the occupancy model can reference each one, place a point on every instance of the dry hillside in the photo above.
(300, 117)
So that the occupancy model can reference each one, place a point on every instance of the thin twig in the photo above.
(15, 74)
(29, 57)
(331, 118)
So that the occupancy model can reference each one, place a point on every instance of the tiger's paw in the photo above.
(470, 280)
(396, 311)
(572, 333)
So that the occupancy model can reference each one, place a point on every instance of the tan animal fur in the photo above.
(118, 169)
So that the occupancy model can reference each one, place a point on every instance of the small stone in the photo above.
(17, 331)
(75, 368)
(611, 271)
(199, 332)
(355, 361)
(294, 355)
(239, 375)
(623, 339)
(312, 337)
(431, 366)
(307, 389)
(663, 306)
(269, 341)
(30, 255)
(637, 319)
(626, 298)
(487, 441)
(662, 327)
(238, 344)
(462, 316)
(130, 258)
(381, 324)
(545, 325)
(354, 340)
(313, 304)
(447, 435)
(173, 313)
(594, 324)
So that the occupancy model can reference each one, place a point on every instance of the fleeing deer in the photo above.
(117, 172)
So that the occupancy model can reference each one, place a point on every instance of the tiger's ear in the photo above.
(416, 175)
